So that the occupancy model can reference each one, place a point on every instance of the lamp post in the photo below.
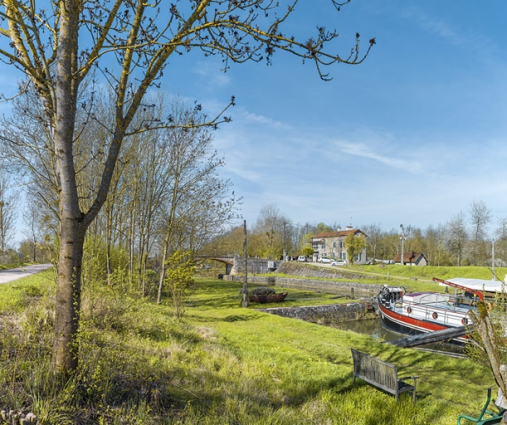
(402, 238)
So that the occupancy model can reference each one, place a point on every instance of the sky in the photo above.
(411, 136)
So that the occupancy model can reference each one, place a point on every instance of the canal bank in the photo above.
(327, 315)
(350, 288)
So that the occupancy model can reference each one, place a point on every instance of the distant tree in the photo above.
(434, 240)
(456, 235)
(374, 232)
(321, 227)
(501, 239)
(480, 216)
(307, 251)
(354, 246)
(269, 231)
(8, 204)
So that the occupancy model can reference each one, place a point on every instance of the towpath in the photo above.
(20, 272)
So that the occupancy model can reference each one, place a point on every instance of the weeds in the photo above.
(222, 365)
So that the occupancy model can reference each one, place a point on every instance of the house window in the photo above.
(334, 244)
(341, 244)
(344, 256)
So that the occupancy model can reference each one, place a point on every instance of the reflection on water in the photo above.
(369, 327)
(376, 329)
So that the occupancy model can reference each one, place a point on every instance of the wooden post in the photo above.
(244, 303)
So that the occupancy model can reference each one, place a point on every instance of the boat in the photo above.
(270, 298)
(423, 312)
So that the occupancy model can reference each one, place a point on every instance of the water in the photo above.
(375, 328)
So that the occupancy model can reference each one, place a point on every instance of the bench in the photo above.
(380, 374)
(491, 418)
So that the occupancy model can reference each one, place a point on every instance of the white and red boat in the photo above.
(422, 312)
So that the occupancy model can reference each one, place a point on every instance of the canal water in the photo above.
(375, 328)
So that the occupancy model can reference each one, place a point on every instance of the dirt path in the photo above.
(15, 274)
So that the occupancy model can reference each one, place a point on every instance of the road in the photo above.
(7, 276)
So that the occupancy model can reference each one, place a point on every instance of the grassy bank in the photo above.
(222, 365)
(412, 278)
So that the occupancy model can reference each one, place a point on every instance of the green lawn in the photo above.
(223, 364)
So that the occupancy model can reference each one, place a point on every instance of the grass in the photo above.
(413, 278)
(222, 365)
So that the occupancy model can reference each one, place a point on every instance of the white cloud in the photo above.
(210, 71)
(365, 151)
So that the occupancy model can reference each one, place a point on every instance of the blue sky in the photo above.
(413, 135)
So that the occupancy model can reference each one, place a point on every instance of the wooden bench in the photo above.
(380, 374)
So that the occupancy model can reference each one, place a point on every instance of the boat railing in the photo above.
(441, 312)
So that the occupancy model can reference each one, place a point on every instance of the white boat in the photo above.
(422, 312)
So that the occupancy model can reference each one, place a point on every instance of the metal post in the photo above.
(402, 261)
(493, 260)
(284, 250)
(244, 303)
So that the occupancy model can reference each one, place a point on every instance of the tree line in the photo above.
(467, 238)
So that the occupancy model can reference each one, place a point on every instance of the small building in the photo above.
(331, 244)
(412, 258)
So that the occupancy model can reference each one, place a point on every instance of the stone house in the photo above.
(331, 245)
(412, 258)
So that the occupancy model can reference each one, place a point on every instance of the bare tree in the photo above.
(480, 216)
(457, 235)
(85, 36)
(374, 232)
(501, 238)
(269, 231)
(8, 204)
(194, 194)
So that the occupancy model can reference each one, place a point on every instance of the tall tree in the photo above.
(457, 235)
(374, 232)
(8, 203)
(480, 216)
(501, 239)
(88, 36)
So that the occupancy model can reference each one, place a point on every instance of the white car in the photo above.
(324, 260)
(301, 258)
(338, 263)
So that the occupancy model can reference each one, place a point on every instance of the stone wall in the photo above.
(327, 314)
(255, 265)
(339, 288)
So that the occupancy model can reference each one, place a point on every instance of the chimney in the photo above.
(349, 227)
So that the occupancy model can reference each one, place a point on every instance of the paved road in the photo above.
(15, 274)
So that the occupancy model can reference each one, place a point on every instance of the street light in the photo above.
(402, 238)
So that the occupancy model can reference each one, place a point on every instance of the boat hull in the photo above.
(404, 324)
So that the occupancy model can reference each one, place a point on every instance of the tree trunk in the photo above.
(72, 230)
(68, 295)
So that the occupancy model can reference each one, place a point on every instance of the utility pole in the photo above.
(493, 260)
(402, 238)
(244, 303)
(284, 249)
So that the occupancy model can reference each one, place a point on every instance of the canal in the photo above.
(375, 328)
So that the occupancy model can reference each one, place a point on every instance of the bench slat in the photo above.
(380, 374)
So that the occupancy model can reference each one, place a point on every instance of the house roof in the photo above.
(409, 257)
(337, 234)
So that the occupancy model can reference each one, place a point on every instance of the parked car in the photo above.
(301, 258)
(339, 263)
(324, 260)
